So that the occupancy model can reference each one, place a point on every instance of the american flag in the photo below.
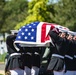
(62, 28)
(35, 33)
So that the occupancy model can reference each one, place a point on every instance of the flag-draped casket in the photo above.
(35, 34)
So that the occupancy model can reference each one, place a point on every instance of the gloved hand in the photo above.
(56, 30)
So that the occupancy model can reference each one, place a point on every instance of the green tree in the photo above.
(15, 11)
(65, 11)
(2, 4)
(38, 11)
(62, 12)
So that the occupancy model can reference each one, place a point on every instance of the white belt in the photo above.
(68, 56)
(74, 56)
(36, 53)
(15, 54)
(58, 56)
(28, 53)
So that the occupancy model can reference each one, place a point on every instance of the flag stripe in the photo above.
(38, 39)
(43, 32)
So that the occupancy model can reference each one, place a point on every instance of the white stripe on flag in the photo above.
(48, 29)
(38, 35)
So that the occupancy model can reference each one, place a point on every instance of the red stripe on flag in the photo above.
(51, 28)
(43, 32)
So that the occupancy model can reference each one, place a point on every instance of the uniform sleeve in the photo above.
(9, 42)
(54, 35)
(10, 39)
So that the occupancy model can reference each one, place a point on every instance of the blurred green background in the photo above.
(16, 13)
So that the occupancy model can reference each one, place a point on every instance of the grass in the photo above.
(2, 57)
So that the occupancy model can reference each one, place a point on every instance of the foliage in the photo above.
(2, 4)
(65, 11)
(38, 11)
(15, 11)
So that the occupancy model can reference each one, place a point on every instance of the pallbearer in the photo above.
(60, 48)
(31, 60)
(14, 63)
(69, 55)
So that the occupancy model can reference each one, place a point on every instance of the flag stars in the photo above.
(22, 33)
(23, 26)
(32, 30)
(19, 37)
(32, 38)
(29, 33)
(19, 29)
(34, 24)
(25, 37)
(29, 26)
(26, 30)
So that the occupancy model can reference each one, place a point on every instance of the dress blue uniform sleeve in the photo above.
(56, 37)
